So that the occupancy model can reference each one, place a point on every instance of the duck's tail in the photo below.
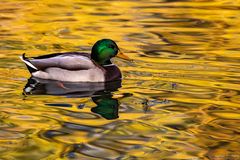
(28, 63)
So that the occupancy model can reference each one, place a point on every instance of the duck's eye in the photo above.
(111, 46)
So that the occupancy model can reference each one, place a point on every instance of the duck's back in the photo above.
(68, 60)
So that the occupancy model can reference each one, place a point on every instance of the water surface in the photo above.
(178, 100)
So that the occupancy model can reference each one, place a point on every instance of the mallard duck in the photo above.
(77, 66)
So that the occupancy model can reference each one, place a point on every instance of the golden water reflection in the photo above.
(178, 100)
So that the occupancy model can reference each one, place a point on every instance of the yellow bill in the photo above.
(123, 56)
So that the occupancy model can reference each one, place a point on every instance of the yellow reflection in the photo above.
(193, 45)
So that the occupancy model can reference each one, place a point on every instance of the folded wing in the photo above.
(69, 61)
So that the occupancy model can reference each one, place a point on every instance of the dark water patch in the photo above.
(163, 38)
(80, 115)
(95, 151)
(7, 34)
(118, 20)
(162, 53)
(52, 14)
(59, 104)
(53, 133)
(9, 10)
(104, 14)
(80, 106)
(139, 36)
(90, 3)
(79, 127)
(65, 20)
(5, 18)
(176, 126)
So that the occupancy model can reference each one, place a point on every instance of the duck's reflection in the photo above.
(107, 106)
(101, 93)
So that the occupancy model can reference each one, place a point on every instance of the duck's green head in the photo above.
(104, 49)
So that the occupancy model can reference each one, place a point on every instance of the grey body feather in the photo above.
(66, 61)
(88, 75)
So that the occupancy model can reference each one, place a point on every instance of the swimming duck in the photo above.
(77, 66)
